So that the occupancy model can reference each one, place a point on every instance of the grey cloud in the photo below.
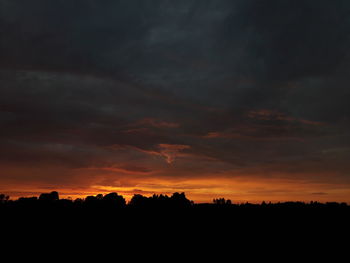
(86, 73)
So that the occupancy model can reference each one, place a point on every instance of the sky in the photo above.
(245, 99)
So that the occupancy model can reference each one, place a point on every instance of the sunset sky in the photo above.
(246, 99)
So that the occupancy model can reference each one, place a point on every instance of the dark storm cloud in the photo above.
(76, 35)
(240, 83)
(288, 44)
(294, 39)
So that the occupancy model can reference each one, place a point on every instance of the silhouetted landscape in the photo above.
(185, 124)
(161, 218)
(178, 202)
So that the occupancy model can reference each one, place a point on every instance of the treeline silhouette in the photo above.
(165, 216)
(177, 201)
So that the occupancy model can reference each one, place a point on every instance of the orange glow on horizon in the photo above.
(239, 190)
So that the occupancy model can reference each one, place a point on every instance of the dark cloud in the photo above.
(127, 86)
(295, 39)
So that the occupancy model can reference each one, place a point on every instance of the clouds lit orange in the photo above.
(236, 99)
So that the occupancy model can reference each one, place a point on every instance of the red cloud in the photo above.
(171, 151)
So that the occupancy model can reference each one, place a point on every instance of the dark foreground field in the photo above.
(175, 224)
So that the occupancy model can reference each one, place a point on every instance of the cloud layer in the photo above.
(161, 96)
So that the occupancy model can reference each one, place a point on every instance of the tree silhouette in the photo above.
(113, 199)
(222, 201)
(180, 200)
(138, 201)
(49, 197)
